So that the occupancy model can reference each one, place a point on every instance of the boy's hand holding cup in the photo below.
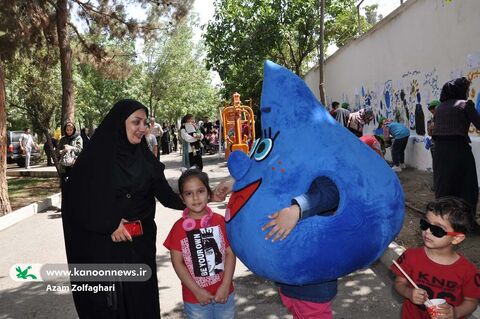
(438, 308)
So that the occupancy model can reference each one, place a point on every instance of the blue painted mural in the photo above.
(406, 99)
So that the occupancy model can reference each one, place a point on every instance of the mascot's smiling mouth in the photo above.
(239, 199)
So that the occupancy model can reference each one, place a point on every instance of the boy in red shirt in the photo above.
(437, 269)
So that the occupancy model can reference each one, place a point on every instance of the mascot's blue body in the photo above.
(300, 142)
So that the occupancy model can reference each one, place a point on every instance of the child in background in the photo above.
(200, 252)
(437, 269)
(373, 142)
(214, 141)
(400, 134)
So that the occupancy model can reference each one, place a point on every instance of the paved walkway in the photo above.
(365, 294)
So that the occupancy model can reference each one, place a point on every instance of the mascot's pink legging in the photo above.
(307, 310)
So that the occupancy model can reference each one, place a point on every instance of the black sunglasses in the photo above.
(436, 231)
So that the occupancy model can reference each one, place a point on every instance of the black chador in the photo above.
(114, 179)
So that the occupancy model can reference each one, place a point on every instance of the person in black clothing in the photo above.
(165, 140)
(173, 132)
(49, 151)
(85, 134)
(115, 180)
(454, 170)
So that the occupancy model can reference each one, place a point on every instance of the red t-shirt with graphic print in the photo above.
(203, 251)
(450, 282)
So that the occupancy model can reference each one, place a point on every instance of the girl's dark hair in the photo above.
(190, 173)
(186, 118)
(209, 242)
(456, 210)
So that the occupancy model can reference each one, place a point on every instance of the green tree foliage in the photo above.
(244, 33)
(33, 92)
(102, 82)
(371, 14)
(177, 79)
(27, 26)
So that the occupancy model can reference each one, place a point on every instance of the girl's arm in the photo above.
(417, 296)
(202, 295)
(223, 291)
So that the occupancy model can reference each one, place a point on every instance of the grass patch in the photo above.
(23, 191)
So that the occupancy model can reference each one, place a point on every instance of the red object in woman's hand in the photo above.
(134, 228)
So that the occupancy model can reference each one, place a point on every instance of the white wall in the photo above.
(405, 60)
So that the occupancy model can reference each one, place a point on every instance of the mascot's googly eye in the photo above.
(263, 149)
(254, 146)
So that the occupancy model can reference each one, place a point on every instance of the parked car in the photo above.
(14, 153)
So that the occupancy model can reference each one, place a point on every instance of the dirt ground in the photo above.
(417, 188)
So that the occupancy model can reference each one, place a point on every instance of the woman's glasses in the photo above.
(436, 231)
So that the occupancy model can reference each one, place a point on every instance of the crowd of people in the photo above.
(161, 139)
(115, 175)
(449, 218)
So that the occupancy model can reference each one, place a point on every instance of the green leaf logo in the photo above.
(23, 274)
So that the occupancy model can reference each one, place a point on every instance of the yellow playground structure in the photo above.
(238, 126)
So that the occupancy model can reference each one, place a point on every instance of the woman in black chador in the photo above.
(454, 169)
(116, 179)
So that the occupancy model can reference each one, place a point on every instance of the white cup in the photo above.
(432, 306)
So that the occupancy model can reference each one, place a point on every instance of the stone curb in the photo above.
(29, 210)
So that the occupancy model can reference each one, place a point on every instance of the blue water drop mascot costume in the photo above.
(302, 142)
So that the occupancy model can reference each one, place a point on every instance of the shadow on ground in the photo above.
(254, 298)
(25, 302)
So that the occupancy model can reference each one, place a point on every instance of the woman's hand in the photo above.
(222, 190)
(282, 222)
(121, 234)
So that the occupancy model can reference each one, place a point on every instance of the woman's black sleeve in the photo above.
(164, 193)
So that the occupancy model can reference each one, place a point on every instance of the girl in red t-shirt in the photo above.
(200, 252)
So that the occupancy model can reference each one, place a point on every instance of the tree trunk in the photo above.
(5, 207)
(151, 100)
(321, 54)
(68, 106)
